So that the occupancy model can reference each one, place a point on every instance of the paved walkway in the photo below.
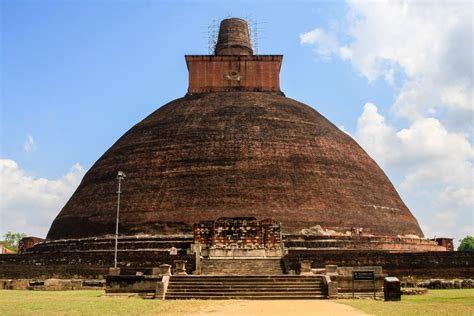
(279, 307)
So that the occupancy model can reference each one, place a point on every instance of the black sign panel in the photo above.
(364, 275)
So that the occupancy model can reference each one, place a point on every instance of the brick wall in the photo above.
(363, 242)
(240, 232)
(84, 264)
(234, 73)
(96, 264)
(107, 244)
(423, 264)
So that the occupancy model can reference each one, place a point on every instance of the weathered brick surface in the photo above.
(234, 38)
(241, 267)
(370, 243)
(235, 147)
(240, 232)
(234, 73)
(87, 264)
(234, 154)
(424, 264)
(95, 265)
(181, 243)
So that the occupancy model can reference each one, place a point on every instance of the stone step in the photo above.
(237, 286)
(268, 276)
(251, 297)
(266, 285)
(242, 288)
(244, 283)
(192, 278)
(244, 293)
(246, 287)
(247, 293)
(220, 281)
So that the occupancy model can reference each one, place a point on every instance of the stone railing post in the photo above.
(180, 267)
(197, 253)
(165, 269)
(305, 267)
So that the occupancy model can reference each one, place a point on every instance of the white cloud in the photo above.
(327, 43)
(435, 164)
(30, 204)
(429, 43)
(423, 50)
(425, 141)
(30, 145)
(374, 134)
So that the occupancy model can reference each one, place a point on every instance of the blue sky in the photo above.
(76, 75)
(82, 70)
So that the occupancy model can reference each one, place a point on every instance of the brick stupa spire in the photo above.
(234, 38)
(234, 67)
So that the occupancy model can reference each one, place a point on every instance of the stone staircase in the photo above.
(246, 287)
(241, 267)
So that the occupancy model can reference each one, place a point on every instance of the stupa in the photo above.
(233, 179)
(235, 146)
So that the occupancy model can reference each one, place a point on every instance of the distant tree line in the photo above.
(12, 240)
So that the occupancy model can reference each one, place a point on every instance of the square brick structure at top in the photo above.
(216, 73)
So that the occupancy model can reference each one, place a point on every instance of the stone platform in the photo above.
(184, 244)
(360, 243)
(90, 258)
(106, 244)
(246, 287)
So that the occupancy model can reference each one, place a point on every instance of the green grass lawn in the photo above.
(436, 302)
(92, 303)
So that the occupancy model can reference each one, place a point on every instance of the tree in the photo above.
(467, 244)
(13, 239)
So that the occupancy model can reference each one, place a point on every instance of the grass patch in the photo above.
(436, 302)
(93, 303)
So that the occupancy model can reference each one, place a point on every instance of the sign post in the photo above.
(363, 276)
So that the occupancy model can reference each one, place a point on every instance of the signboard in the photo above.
(364, 276)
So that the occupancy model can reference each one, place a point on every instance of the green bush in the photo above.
(467, 244)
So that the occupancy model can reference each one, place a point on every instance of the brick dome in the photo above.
(237, 153)
(234, 146)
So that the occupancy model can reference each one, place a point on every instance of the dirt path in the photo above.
(279, 307)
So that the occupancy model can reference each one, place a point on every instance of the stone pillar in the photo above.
(197, 253)
(305, 267)
(332, 290)
(165, 269)
(180, 267)
(114, 271)
(160, 291)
